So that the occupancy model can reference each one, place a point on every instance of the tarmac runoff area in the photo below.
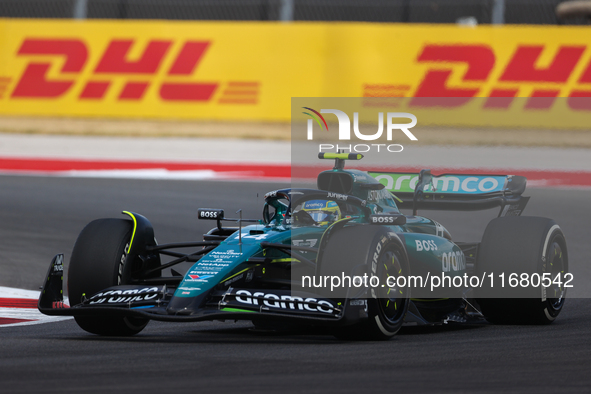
(260, 160)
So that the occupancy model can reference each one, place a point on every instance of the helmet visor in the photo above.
(319, 216)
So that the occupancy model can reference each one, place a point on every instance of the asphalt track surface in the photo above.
(41, 216)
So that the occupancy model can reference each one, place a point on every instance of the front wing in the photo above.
(154, 303)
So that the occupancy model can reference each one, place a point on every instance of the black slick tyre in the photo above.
(534, 247)
(98, 262)
(376, 251)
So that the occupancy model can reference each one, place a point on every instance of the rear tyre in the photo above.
(523, 245)
(98, 262)
(380, 253)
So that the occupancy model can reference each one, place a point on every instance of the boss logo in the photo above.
(211, 214)
(425, 245)
(388, 219)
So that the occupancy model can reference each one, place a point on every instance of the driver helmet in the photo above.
(322, 211)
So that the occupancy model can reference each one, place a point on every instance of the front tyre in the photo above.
(99, 261)
(387, 311)
(381, 254)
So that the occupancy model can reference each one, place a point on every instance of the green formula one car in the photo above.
(342, 257)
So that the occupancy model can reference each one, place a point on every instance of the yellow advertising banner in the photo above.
(250, 70)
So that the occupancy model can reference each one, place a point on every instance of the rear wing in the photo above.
(457, 192)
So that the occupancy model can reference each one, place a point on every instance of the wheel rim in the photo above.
(557, 264)
(391, 299)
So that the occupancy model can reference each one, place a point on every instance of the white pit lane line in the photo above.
(22, 316)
